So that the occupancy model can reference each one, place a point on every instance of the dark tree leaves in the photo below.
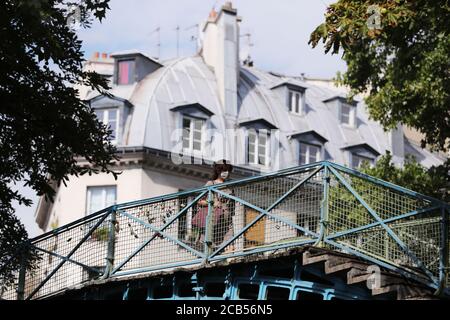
(403, 63)
(44, 127)
(433, 182)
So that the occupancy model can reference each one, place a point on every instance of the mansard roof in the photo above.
(182, 81)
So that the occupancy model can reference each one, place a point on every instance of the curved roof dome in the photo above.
(190, 81)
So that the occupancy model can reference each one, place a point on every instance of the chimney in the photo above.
(104, 55)
(96, 55)
(397, 142)
(220, 50)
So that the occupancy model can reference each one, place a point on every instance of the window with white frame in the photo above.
(110, 117)
(258, 147)
(358, 160)
(192, 133)
(100, 197)
(296, 102)
(309, 153)
(347, 114)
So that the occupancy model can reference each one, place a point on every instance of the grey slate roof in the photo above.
(189, 80)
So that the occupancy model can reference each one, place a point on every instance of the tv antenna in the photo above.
(248, 60)
(249, 39)
(177, 29)
(158, 44)
(193, 37)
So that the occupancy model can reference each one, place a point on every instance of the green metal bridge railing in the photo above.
(322, 204)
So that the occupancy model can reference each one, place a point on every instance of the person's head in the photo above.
(221, 169)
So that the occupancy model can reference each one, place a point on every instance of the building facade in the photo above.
(171, 119)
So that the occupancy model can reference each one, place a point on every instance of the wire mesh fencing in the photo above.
(320, 204)
(386, 223)
(159, 234)
(277, 211)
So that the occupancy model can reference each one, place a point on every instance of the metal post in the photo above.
(209, 226)
(111, 244)
(197, 288)
(228, 285)
(444, 254)
(22, 274)
(386, 246)
(324, 207)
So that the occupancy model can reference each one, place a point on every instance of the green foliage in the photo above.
(101, 234)
(12, 254)
(54, 225)
(434, 182)
(44, 127)
(346, 212)
(403, 63)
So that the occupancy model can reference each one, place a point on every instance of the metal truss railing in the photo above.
(322, 204)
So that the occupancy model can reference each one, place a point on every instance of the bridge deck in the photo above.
(300, 273)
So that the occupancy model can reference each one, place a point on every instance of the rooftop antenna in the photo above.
(178, 40)
(250, 44)
(194, 38)
(249, 39)
(158, 31)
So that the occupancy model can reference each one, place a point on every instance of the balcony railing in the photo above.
(321, 204)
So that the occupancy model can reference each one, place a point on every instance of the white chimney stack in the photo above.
(220, 50)
(397, 143)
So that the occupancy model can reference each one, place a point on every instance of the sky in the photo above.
(279, 32)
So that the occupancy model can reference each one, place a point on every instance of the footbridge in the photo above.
(319, 231)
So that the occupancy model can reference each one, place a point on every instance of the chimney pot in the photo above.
(104, 55)
(213, 14)
(228, 5)
(96, 55)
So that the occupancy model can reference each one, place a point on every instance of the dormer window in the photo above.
(344, 110)
(296, 102)
(257, 147)
(110, 117)
(258, 141)
(360, 153)
(358, 160)
(293, 91)
(311, 146)
(113, 112)
(132, 66)
(192, 134)
(309, 153)
(193, 119)
(347, 114)
(126, 70)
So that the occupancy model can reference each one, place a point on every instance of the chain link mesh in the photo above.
(292, 204)
(86, 263)
(158, 248)
(420, 233)
(386, 202)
